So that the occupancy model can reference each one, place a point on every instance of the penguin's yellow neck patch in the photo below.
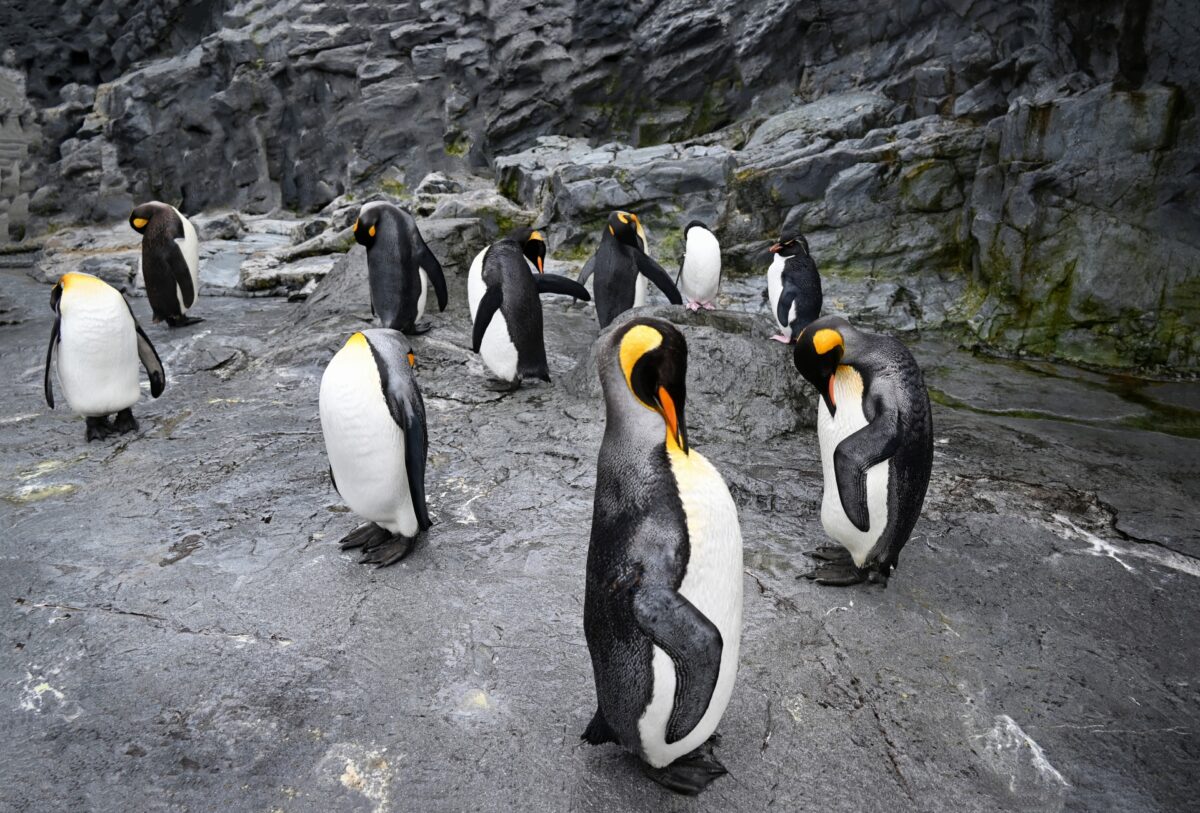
(76, 281)
(639, 341)
(357, 340)
(848, 380)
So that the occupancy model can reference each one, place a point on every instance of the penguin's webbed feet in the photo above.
(388, 552)
(835, 568)
(830, 553)
(417, 329)
(183, 321)
(124, 423)
(782, 338)
(365, 536)
(496, 385)
(98, 428)
(708, 306)
(691, 773)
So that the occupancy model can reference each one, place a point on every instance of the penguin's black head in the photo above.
(790, 244)
(653, 356)
(533, 246)
(626, 227)
(141, 216)
(820, 348)
(366, 227)
(695, 224)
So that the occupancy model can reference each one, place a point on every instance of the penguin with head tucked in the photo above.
(875, 428)
(793, 285)
(699, 275)
(400, 267)
(618, 262)
(506, 310)
(663, 601)
(99, 345)
(373, 421)
(170, 261)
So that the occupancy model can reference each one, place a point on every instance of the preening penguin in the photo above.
(400, 267)
(700, 272)
(99, 345)
(794, 286)
(506, 309)
(875, 428)
(373, 420)
(618, 262)
(170, 261)
(663, 602)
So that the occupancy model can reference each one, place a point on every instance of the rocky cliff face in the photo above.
(1026, 169)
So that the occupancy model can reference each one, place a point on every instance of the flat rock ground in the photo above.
(181, 632)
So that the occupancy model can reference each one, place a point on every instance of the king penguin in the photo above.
(794, 286)
(99, 344)
(373, 420)
(663, 602)
(400, 267)
(875, 429)
(700, 272)
(170, 261)
(618, 262)
(506, 310)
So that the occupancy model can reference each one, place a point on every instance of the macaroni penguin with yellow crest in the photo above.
(663, 599)
(875, 429)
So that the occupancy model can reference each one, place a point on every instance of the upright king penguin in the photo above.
(793, 286)
(663, 601)
(699, 275)
(618, 262)
(875, 428)
(99, 344)
(400, 267)
(506, 310)
(170, 261)
(373, 421)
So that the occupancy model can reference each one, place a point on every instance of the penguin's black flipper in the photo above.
(588, 268)
(554, 284)
(654, 272)
(691, 773)
(693, 643)
(483, 315)
(433, 269)
(183, 278)
(874, 443)
(150, 360)
(786, 297)
(598, 731)
(47, 384)
(333, 480)
(414, 466)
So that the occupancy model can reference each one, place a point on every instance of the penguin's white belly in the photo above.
(475, 286)
(701, 267)
(364, 444)
(713, 584)
(497, 349)
(775, 290)
(639, 291)
(189, 247)
(424, 293)
(97, 355)
(832, 430)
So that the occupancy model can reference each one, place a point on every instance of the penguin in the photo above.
(170, 261)
(699, 274)
(618, 262)
(400, 267)
(507, 315)
(794, 286)
(639, 290)
(663, 599)
(373, 421)
(99, 344)
(875, 429)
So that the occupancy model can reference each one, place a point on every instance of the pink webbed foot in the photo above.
(708, 306)
(782, 338)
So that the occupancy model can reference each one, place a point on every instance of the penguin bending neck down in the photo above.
(620, 260)
(170, 261)
(663, 600)
(875, 428)
(400, 267)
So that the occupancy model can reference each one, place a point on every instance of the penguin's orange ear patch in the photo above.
(371, 231)
(355, 227)
(537, 235)
(825, 340)
(140, 222)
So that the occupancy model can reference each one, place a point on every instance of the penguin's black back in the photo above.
(505, 265)
(163, 265)
(393, 271)
(615, 272)
(639, 538)
(801, 272)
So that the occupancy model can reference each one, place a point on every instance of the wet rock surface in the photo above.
(182, 632)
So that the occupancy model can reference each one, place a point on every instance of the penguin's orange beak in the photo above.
(666, 405)
(541, 269)
(412, 361)
(775, 248)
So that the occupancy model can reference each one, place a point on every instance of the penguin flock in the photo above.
(663, 586)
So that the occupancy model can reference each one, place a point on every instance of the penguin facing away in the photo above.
(618, 262)
(170, 261)
(373, 422)
(639, 296)
(400, 267)
(875, 428)
(507, 329)
(699, 275)
(97, 344)
(663, 600)
(794, 286)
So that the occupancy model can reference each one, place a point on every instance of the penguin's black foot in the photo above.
(418, 329)
(388, 552)
(98, 428)
(837, 574)
(598, 732)
(124, 423)
(183, 321)
(495, 385)
(365, 536)
(830, 553)
(691, 773)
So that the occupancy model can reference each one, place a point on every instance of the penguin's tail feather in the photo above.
(598, 732)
